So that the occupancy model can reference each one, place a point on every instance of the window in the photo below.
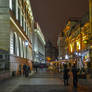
(24, 24)
(25, 27)
(1, 56)
(25, 9)
(14, 7)
(14, 44)
(22, 2)
(19, 48)
(19, 15)
(26, 30)
(10, 4)
(22, 21)
(21, 18)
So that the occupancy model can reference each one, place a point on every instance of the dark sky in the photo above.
(52, 14)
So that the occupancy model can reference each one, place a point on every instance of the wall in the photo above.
(4, 24)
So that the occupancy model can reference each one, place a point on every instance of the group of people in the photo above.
(26, 70)
(66, 75)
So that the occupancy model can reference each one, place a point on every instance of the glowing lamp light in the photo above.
(62, 62)
(66, 57)
(79, 54)
(78, 45)
(85, 41)
(26, 43)
(76, 53)
(71, 48)
(60, 58)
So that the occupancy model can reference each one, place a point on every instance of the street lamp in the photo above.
(26, 44)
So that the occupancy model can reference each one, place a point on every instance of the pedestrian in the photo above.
(65, 74)
(19, 69)
(75, 76)
(24, 69)
(36, 67)
(27, 71)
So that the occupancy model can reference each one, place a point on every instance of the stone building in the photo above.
(51, 51)
(16, 26)
(38, 45)
(61, 46)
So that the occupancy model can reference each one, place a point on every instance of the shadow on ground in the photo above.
(49, 88)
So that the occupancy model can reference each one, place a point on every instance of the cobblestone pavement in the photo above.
(40, 82)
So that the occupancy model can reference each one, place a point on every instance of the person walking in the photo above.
(20, 69)
(65, 75)
(24, 69)
(75, 77)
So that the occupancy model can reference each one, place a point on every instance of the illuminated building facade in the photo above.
(76, 32)
(38, 45)
(16, 26)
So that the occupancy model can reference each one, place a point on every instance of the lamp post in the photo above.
(26, 44)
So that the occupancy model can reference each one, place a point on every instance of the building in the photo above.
(77, 35)
(61, 46)
(51, 52)
(16, 26)
(38, 45)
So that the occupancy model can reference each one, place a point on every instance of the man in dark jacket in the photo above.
(65, 74)
(75, 77)
(24, 69)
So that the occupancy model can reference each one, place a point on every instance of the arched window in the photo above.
(20, 48)
(16, 44)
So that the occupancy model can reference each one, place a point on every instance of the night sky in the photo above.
(52, 14)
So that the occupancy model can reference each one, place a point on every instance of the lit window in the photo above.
(10, 4)
(78, 45)
(71, 48)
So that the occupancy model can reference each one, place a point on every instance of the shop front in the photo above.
(86, 59)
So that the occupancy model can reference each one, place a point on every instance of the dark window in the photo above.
(19, 15)
(25, 26)
(19, 49)
(1, 56)
(22, 2)
(25, 9)
(14, 7)
(22, 21)
(27, 31)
